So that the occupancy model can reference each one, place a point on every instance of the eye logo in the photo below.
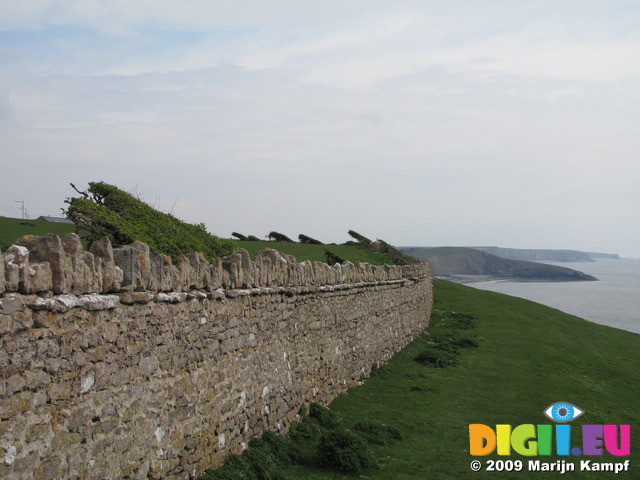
(563, 412)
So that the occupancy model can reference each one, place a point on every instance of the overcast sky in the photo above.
(446, 122)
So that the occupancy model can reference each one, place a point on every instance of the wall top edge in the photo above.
(49, 265)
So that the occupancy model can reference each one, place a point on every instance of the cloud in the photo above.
(454, 122)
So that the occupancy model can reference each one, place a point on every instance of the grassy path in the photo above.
(529, 357)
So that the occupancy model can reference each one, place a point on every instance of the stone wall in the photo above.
(115, 363)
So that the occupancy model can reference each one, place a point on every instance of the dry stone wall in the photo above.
(115, 363)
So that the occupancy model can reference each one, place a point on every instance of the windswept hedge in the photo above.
(279, 237)
(396, 255)
(360, 238)
(309, 240)
(105, 210)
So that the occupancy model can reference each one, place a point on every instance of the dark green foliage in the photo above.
(312, 241)
(279, 237)
(325, 417)
(105, 210)
(464, 342)
(463, 320)
(278, 446)
(345, 451)
(396, 255)
(321, 439)
(303, 430)
(447, 338)
(378, 370)
(437, 356)
(245, 238)
(360, 238)
(377, 433)
(265, 458)
(332, 258)
(236, 467)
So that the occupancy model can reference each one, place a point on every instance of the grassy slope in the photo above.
(424, 253)
(529, 357)
(13, 228)
(353, 253)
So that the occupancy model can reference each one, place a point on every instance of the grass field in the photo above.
(424, 253)
(13, 228)
(529, 356)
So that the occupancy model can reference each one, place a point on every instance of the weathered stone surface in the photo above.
(19, 256)
(82, 280)
(164, 382)
(157, 280)
(201, 270)
(49, 248)
(111, 275)
(144, 265)
(126, 258)
(171, 276)
(11, 303)
(104, 269)
(2, 279)
(187, 274)
(41, 277)
(12, 273)
(94, 301)
(129, 298)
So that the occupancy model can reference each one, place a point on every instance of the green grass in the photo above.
(424, 253)
(303, 251)
(13, 228)
(528, 357)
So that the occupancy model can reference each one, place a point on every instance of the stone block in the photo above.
(16, 260)
(41, 277)
(144, 265)
(157, 280)
(187, 274)
(49, 248)
(94, 301)
(80, 273)
(2, 279)
(126, 258)
(10, 304)
(202, 272)
(215, 268)
(171, 276)
(112, 276)
(148, 365)
(129, 298)
(94, 280)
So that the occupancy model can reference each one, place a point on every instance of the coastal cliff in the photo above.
(464, 265)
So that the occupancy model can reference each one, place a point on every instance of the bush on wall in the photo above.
(105, 210)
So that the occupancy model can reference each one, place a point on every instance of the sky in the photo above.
(513, 123)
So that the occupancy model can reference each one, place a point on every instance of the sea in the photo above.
(613, 300)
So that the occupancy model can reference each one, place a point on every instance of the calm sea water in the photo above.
(614, 300)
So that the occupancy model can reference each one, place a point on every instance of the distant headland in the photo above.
(472, 264)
